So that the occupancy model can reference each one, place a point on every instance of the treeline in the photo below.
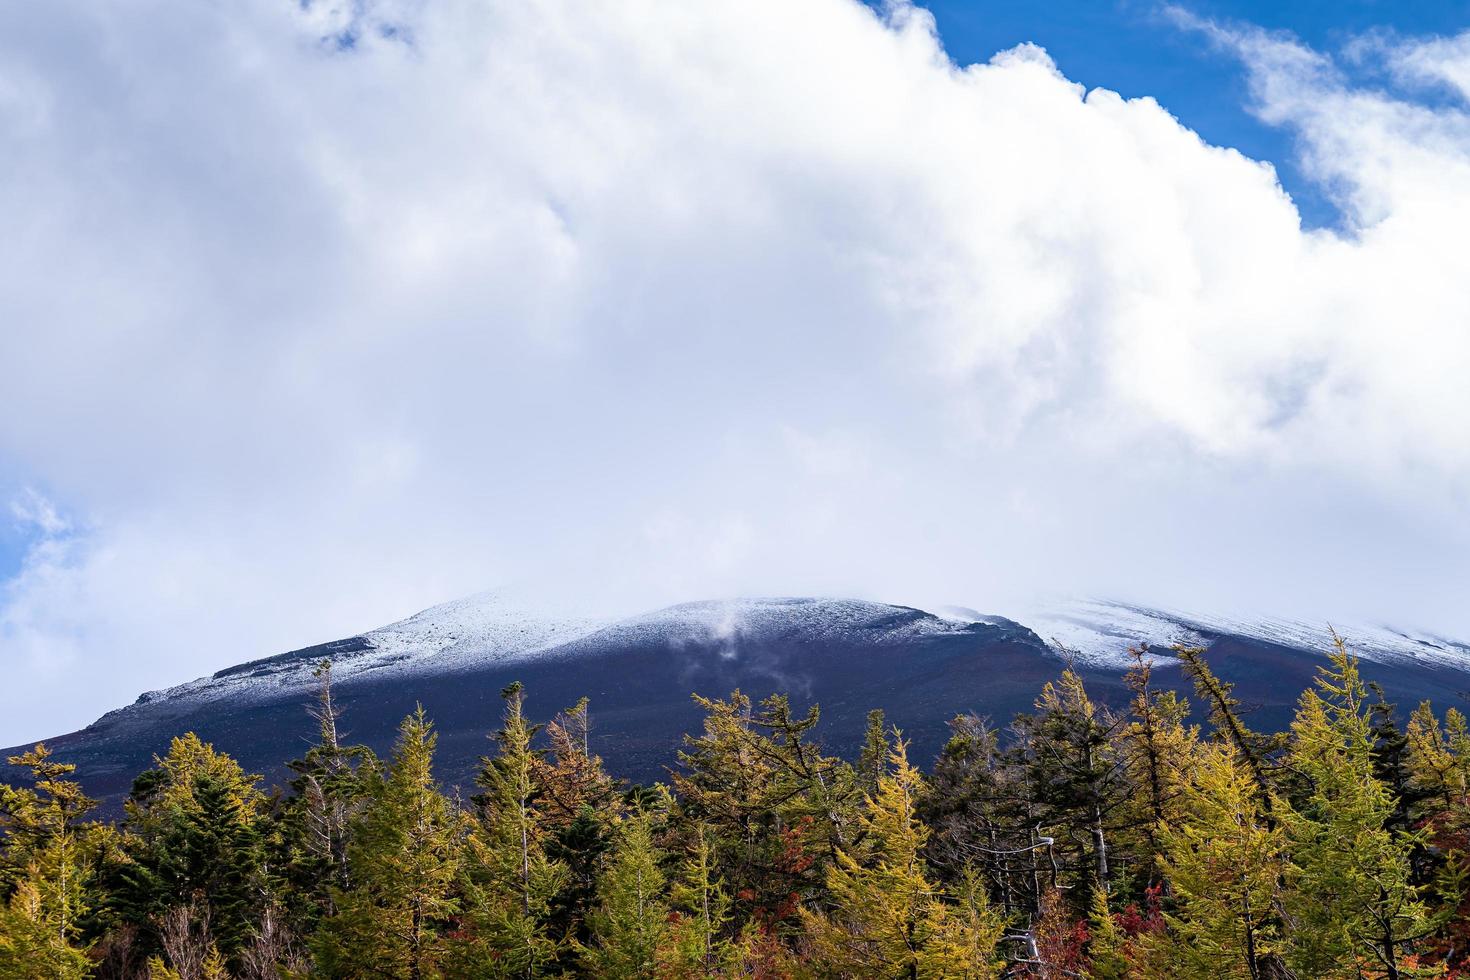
(1081, 841)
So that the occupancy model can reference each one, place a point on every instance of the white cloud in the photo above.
(660, 298)
(33, 511)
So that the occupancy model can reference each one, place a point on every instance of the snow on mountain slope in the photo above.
(482, 628)
(1101, 632)
(479, 629)
(725, 624)
(492, 628)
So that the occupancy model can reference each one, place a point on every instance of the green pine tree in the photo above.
(404, 859)
(1353, 901)
(510, 882)
(1223, 860)
(193, 846)
(700, 945)
(889, 919)
(630, 926)
(40, 924)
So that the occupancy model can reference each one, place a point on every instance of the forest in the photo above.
(1164, 838)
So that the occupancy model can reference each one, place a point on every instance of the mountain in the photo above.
(921, 667)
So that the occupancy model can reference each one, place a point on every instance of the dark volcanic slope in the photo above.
(847, 656)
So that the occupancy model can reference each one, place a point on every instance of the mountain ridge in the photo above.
(848, 655)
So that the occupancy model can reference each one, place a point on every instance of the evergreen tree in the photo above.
(1109, 953)
(193, 844)
(579, 805)
(1438, 763)
(699, 945)
(510, 882)
(764, 801)
(1438, 758)
(1258, 752)
(980, 810)
(404, 859)
(48, 856)
(1156, 746)
(630, 926)
(31, 817)
(332, 784)
(888, 919)
(572, 780)
(1223, 860)
(873, 759)
(1353, 901)
(40, 924)
(1070, 753)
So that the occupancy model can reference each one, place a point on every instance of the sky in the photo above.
(316, 314)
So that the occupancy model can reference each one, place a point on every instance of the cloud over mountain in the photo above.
(318, 314)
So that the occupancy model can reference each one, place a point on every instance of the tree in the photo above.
(1223, 861)
(31, 817)
(630, 926)
(332, 784)
(1438, 757)
(193, 842)
(1438, 762)
(572, 779)
(404, 859)
(1257, 752)
(40, 933)
(510, 882)
(771, 804)
(1353, 900)
(46, 870)
(1156, 746)
(888, 919)
(873, 759)
(980, 810)
(699, 945)
(578, 806)
(1069, 751)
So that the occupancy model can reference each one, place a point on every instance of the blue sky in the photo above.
(1130, 47)
(648, 303)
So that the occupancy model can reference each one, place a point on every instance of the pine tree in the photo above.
(1438, 763)
(1069, 751)
(873, 759)
(823, 789)
(699, 945)
(981, 813)
(966, 933)
(46, 869)
(1156, 746)
(404, 859)
(1438, 758)
(630, 926)
(572, 780)
(760, 806)
(40, 924)
(1258, 752)
(31, 817)
(1223, 861)
(888, 919)
(1109, 953)
(510, 882)
(193, 843)
(579, 804)
(332, 784)
(1353, 901)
